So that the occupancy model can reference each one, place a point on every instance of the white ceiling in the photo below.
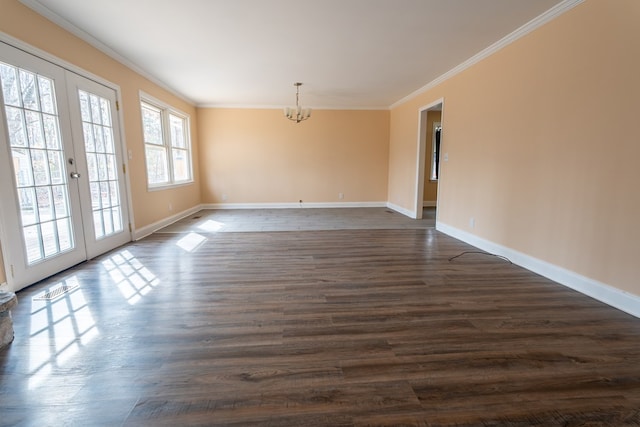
(348, 53)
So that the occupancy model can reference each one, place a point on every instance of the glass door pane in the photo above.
(101, 159)
(37, 155)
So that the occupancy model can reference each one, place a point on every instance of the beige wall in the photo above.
(430, 189)
(257, 156)
(543, 144)
(20, 22)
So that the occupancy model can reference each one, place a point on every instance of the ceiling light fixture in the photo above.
(297, 114)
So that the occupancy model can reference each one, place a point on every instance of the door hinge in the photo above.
(12, 273)
(124, 168)
(117, 106)
(130, 229)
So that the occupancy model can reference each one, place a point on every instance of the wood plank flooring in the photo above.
(350, 325)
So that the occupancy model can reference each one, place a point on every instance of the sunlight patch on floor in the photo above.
(59, 329)
(131, 277)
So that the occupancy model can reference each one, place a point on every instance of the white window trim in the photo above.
(166, 110)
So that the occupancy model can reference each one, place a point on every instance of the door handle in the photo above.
(74, 175)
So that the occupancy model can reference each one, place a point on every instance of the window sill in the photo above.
(169, 186)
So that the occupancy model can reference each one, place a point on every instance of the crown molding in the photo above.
(47, 13)
(530, 26)
(280, 107)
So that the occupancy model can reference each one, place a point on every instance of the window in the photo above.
(166, 144)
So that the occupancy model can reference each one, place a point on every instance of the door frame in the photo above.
(126, 154)
(422, 156)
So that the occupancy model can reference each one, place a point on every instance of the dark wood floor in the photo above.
(348, 327)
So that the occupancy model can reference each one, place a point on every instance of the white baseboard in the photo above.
(303, 205)
(400, 209)
(143, 232)
(625, 301)
(429, 204)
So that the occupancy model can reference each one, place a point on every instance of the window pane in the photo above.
(64, 234)
(56, 167)
(34, 129)
(114, 193)
(15, 123)
(98, 228)
(152, 125)
(28, 87)
(27, 206)
(180, 165)
(51, 134)
(99, 138)
(96, 115)
(111, 166)
(89, 143)
(107, 221)
(46, 95)
(85, 111)
(40, 162)
(157, 171)
(92, 166)
(117, 223)
(177, 131)
(49, 238)
(32, 243)
(109, 145)
(22, 167)
(45, 203)
(102, 167)
(104, 194)
(105, 112)
(95, 195)
(9, 79)
(60, 201)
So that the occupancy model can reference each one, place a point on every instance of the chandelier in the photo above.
(297, 114)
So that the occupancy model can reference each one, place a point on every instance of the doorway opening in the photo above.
(428, 164)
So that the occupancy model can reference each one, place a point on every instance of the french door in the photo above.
(61, 176)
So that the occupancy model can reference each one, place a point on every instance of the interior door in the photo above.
(62, 190)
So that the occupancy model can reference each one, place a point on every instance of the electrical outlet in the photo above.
(472, 222)
(224, 197)
(340, 195)
(170, 207)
